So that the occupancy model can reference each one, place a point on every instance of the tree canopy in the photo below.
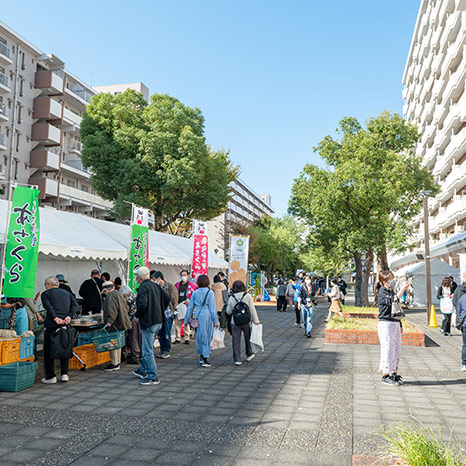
(154, 155)
(365, 199)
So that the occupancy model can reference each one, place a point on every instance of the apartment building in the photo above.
(41, 108)
(245, 207)
(435, 100)
(119, 88)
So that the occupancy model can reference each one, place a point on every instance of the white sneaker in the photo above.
(463, 367)
(49, 381)
(250, 358)
(295, 325)
(65, 378)
(238, 363)
(301, 326)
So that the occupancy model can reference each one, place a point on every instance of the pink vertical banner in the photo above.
(200, 250)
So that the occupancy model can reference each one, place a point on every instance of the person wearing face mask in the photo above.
(305, 305)
(185, 289)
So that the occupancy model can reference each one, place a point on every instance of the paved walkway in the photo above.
(299, 402)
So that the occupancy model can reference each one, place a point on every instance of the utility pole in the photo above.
(283, 262)
(426, 195)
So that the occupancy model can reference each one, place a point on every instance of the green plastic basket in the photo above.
(17, 376)
(109, 341)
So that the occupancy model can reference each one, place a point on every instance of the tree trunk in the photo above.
(382, 261)
(358, 279)
(365, 277)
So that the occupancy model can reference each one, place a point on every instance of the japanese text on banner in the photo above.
(139, 246)
(200, 250)
(239, 251)
(22, 248)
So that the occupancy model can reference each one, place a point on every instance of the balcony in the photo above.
(47, 187)
(75, 147)
(83, 197)
(4, 83)
(46, 133)
(455, 180)
(78, 96)
(49, 82)
(71, 118)
(5, 54)
(3, 142)
(45, 160)
(3, 112)
(46, 107)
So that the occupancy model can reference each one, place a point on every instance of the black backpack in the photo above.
(241, 313)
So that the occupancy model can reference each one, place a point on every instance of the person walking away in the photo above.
(290, 290)
(90, 290)
(305, 305)
(165, 333)
(151, 302)
(134, 340)
(63, 284)
(334, 296)
(61, 308)
(445, 295)
(281, 296)
(461, 311)
(202, 308)
(116, 314)
(241, 307)
(219, 289)
(185, 290)
(389, 330)
(342, 285)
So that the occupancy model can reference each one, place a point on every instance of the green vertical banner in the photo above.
(139, 246)
(22, 248)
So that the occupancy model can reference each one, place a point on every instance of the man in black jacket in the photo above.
(61, 308)
(90, 291)
(151, 303)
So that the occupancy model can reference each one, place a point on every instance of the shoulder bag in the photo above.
(397, 312)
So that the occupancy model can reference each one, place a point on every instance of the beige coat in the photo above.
(116, 311)
(218, 289)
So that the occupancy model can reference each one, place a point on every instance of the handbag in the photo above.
(218, 338)
(256, 341)
(61, 342)
(446, 305)
(397, 312)
(194, 323)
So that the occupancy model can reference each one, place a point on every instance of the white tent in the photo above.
(73, 244)
(438, 270)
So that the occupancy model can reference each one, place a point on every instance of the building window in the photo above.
(21, 87)
(71, 183)
(17, 142)
(84, 188)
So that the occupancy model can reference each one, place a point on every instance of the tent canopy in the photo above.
(75, 236)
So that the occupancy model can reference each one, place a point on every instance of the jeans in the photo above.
(165, 335)
(307, 318)
(148, 365)
(236, 337)
(49, 363)
(463, 350)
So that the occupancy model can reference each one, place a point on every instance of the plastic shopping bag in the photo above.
(217, 339)
(256, 338)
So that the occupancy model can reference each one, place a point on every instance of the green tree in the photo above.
(365, 199)
(154, 155)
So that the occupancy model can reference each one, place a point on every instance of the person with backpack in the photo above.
(241, 308)
(281, 296)
(202, 316)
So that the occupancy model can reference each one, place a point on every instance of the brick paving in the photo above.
(300, 402)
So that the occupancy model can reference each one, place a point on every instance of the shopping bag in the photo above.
(181, 311)
(217, 339)
(446, 305)
(61, 342)
(256, 338)
(453, 319)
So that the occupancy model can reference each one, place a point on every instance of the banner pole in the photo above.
(5, 238)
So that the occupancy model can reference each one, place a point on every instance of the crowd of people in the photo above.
(194, 308)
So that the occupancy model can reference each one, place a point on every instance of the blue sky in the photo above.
(271, 77)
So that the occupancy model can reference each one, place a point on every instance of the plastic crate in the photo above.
(85, 338)
(90, 357)
(27, 347)
(17, 376)
(9, 350)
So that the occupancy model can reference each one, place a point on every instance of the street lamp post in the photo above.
(426, 195)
